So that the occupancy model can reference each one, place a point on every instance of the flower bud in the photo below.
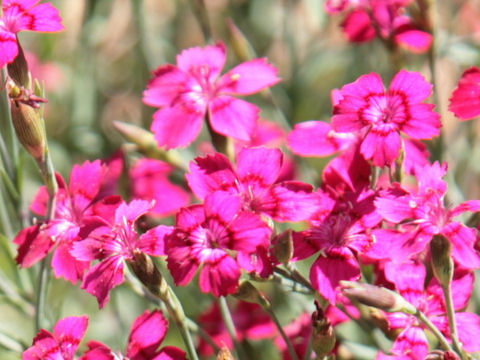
(283, 246)
(239, 42)
(146, 143)
(442, 355)
(30, 129)
(249, 293)
(442, 262)
(146, 271)
(18, 69)
(376, 296)
(323, 336)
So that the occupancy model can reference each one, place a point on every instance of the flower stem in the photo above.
(443, 341)
(228, 320)
(284, 336)
(447, 292)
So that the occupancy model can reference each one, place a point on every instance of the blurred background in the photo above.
(96, 70)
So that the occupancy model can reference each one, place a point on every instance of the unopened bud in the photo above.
(283, 246)
(399, 173)
(225, 354)
(442, 262)
(323, 336)
(442, 355)
(376, 296)
(30, 129)
(18, 69)
(239, 42)
(146, 143)
(249, 293)
(146, 271)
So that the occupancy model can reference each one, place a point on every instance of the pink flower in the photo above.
(339, 232)
(409, 280)
(147, 333)
(113, 244)
(424, 210)
(218, 236)
(20, 15)
(62, 344)
(465, 100)
(251, 322)
(255, 181)
(77, 212)
(149, 180)
(381, 115)
(194, 89)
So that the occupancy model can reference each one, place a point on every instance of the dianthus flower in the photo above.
(426, 215)
(380, 115)
(409, 279)
(367, 19)
(193, 89)
(114, 243)
(77, 212)
(255, 181)
(465, 100)
(218, 236)
(19, 15)
(62, 344)
(146, 335)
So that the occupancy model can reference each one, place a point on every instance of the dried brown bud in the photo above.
(376, 296)
(146, 271)
(18, 69)
(30, 129)
(442, 262)
(249, 293)
(283, 246)
(323, 336)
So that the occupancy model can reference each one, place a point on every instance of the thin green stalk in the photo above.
(8, 126)
(443, 341)
(447, 292)
(290, 348)
(228, 320)
(11, 344)
(308, 353)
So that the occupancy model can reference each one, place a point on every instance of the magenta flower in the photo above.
(381, 115)
(77, 212)
(409, 280)
(146, 335)
(112, 245)
(62, 344)
(149, 180)
(251, 322)
(465, 100)
(193, 89)
(339, 233)
(424, 210)
(218, 236)
(20, 15)
(255, 181)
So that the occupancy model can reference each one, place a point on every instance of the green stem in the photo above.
(290, 347)
(41, 294)
(443, 341)
(229, 324)
(447, 292)
(11, 344)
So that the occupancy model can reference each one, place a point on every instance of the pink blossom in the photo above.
(426, 215)
(379, 115)
(113, 244)
(194, 89)
(409, 280)
(220, 237)
(20, 15)
(339, 232)
(62, 344)
(255, 181)
(465, 100)
(147, 333)
(150, 180)
(251, 322)
(77, 212)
